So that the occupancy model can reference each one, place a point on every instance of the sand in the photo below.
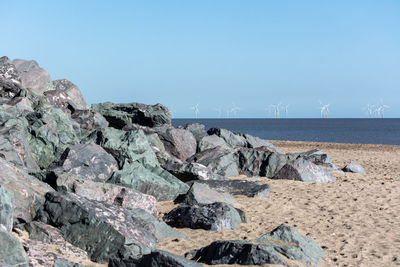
(355, 220)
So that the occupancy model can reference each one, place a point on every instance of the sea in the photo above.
(356, 131)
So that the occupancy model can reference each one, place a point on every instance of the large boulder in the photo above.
(197, 129)
(88, 160)
(113, 194)
(219, 160)
(149, 180)
(211, 141)
(104, 231)
(179, 143)
(354, 167)
(89, 119)
(232, 139)
(157, 258)
(238, 187)
(304, 170)
(199, 193)
(261, 161)
(318, 158)
(51, 132)
(33, 76)
(10, 80)
(289, 242)
(7, 204)
(186, 172)
(74, 95)
(237, 252)
(12, 252)
(28, 191)
(119, 115)
(254, 142)
(215, 216)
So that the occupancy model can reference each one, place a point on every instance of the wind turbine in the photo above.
(196, 110)
(275, 108)
(324, 110)
(369, 110)
(286, 108)
(381, 109)
(234, 109)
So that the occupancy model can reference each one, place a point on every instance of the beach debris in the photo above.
(354, 167)
(214, 216)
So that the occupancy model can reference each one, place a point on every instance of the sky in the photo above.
(251, 54)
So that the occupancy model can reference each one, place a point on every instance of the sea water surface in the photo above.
(362, 131)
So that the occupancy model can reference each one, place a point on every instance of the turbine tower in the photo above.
(196, 110)
(324, 110)
(234, 110)
(285, 109)
(369, 109)
(381, 109)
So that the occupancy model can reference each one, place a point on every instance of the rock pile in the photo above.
(87, 179)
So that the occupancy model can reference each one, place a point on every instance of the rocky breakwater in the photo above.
(87, 180)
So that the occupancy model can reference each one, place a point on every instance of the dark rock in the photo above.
(12, 252)
(73, 93)
(47, 246)
(157, 258)
(103, 230)
(239, 187)
(260, 161)
(197, 129)
(119, 115)
(190, 171)
(202, 194)
(89, 120)
(10, 80)
(354, 167)
(232, 139)
(304, 170)
(254, 142)
(219, 160)
(215, 216)
(88, 160)
(28, 191)
(212, 141)
(113, 194)
(7, 204)
(33, 76)
(51, 132)
(287, 241)
(237, 252)
(318, 158)
(149, 180)
(178, 142)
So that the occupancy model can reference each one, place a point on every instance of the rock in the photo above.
(239, 187)
(215, 216)
(73, 93)
(88, 160)
(89, 120)
(260, 161)
(318, 158)
(197, 129)
(110, 193)
(10, 80)
(287, 241)
(12, 252)
(149, 180)
(28, 191)
(199, 193)
(33, 76)
(212, 141)
(7, 204)
(304, 170)
(190, 171)
(232, 139)
(254, 142)
(102, 230)
(157, 258)
(219, 160)
(60, 262)
(354, 167)
(237, 252)
(14, 145)
(51, 132)
(47, 247)
(119, 115)
(179, 143)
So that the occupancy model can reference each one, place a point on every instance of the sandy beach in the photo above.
(355, 220)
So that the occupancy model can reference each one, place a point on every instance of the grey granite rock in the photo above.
(190, 171)
(211, 141)
(12, 252)
(7, 204)
(33, 76)
(354, 167)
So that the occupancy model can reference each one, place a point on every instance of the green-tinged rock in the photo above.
(211, 141)
(289, 242)
(51, 132)
(120, 115)
(12, 252)
(7, 204)
(149, 180)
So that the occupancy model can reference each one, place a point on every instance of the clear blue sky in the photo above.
(179, 53)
